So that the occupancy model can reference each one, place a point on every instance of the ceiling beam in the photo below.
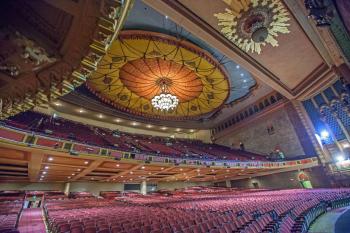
(13, 161)
(87, 170)
(34, 165)
(125, 172)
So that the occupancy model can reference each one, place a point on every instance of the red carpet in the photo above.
(31, 221)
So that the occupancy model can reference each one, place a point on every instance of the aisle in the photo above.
(327, 223)
(342, 225)
(31, 221)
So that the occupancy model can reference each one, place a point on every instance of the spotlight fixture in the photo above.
(320, 12)
(340, 158)
(324, 134)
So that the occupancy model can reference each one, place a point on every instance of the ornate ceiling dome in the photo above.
(142, 65)
(145, 77)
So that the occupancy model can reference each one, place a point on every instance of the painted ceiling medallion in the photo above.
(155, 75)
(251, 24)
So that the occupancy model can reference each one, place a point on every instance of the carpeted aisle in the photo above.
(343, 223)
(32, 221)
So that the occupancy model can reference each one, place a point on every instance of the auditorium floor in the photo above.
(334, 221)
(32, 221)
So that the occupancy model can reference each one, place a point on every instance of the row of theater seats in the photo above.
(282, 211)
(103, 137)
(11, 204)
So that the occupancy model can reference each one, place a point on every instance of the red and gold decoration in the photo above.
(251, 24)
(156, 75)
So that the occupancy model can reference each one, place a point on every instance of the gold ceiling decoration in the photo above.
(140, 64)
(251, 24)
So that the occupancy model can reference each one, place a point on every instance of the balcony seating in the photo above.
(211, 211)
(76, 131)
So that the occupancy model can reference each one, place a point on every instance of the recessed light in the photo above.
(42, 176)
(113, 179)
(117, 120)
(86, 162)
(44, 173)
(178, 129)
(245, 80)
(143, 167)
(149, 126)
(242, 74)
(46, 167)
(131, 172)
(117, 165)
(121, 176)
(191, 130)
(100, 116)
(73, 174)
(166, 17)
(237, 66)
(68, 177)
(164, 128)
(50, 158)
(57, 104)
(81, 110)
(78, 169)
(162, 168)
(134, 123)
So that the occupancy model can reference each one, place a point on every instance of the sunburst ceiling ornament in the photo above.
(154, 75)
(251, 24)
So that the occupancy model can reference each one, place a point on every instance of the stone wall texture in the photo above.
(256, 137)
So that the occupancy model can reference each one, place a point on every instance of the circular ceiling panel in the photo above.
(140, 64)
(142, 76)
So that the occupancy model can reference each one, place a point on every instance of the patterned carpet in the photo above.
(32, 221)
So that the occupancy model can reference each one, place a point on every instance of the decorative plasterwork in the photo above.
(129, 76)
(64, 76)
(251, 24)
(19, 54)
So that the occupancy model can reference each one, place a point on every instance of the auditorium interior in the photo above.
(174, 116)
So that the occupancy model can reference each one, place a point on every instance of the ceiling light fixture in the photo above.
(252, 26)
(164, 101)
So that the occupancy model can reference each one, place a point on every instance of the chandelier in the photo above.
(164, 101)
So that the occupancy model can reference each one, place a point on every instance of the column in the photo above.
(66, 188)
(144, 187)
(228, 183)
